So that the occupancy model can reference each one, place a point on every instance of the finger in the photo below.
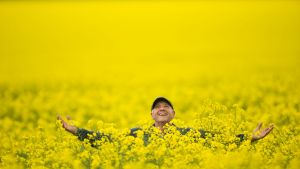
(68, 117)
(258, 127)
(266, 131)
(270, 129)
(60, 118)
(62, 121)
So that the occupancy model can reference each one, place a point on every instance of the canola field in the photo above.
(225, 66)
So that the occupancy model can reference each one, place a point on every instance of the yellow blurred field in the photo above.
(225, 65)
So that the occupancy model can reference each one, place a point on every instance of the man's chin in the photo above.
(163, 120)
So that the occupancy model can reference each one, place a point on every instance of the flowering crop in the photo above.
(31, 138)
(224, 65)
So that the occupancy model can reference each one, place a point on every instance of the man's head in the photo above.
(162, 110)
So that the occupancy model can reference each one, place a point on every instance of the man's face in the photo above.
(162, 112)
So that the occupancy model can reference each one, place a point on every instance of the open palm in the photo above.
(66, 126)
(259, 134)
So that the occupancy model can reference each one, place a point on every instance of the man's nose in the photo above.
(161, 108)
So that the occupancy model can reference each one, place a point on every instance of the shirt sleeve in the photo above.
(241, 136)
(204, 133)
(92, 136)
(133, 131)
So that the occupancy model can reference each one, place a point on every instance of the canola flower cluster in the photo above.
(32, 138)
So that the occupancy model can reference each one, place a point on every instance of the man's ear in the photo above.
(151, 114)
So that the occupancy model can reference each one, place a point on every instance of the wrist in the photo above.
(73, 129)
(253, 139)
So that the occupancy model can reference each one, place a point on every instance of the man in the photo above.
(162, 112)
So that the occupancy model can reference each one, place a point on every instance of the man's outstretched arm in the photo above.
(256, 135)
(82, 133)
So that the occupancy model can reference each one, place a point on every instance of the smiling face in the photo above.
(162, 113)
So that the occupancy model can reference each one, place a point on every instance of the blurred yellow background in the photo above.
(225, 66)
(134, 40)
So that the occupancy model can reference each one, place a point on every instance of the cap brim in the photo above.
(161, 99)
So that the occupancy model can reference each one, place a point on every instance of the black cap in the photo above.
(161, 99)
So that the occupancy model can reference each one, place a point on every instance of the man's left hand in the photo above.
(259, 134)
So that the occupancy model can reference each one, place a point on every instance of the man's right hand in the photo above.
(66, 126)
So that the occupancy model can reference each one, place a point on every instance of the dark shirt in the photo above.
(84, 134)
